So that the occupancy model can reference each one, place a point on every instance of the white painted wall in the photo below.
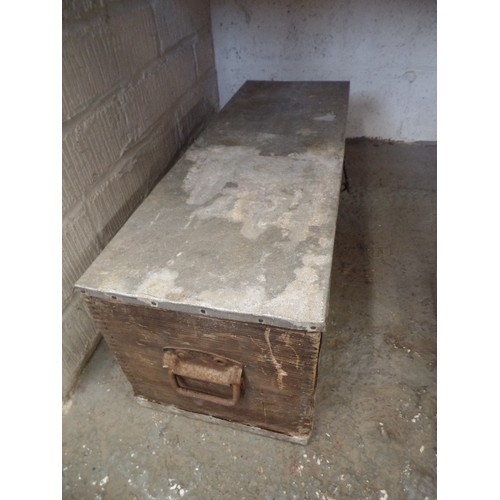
(385, 48)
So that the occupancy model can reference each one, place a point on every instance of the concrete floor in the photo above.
(375, 420)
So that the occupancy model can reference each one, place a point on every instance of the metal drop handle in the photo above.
(204, 367)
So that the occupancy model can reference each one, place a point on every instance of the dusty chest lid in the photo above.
(243, 226)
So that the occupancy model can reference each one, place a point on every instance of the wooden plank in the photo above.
(279, 365)
(213, 420)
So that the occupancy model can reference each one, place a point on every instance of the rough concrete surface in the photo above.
(375, 420)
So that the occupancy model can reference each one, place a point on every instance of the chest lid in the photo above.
(242, 227)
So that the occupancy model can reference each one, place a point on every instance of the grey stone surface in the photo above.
(243, 225)
(375, 419)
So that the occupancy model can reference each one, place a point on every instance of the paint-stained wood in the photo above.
(279, 365)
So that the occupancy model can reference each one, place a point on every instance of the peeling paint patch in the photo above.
(306, 132)
(270, 189)
(157, 282)
(67, 406)
(328, 117)
(244, 297)
(289, 302)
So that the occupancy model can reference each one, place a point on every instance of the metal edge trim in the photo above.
(200, 310)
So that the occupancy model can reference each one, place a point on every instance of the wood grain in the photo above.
(279, 365)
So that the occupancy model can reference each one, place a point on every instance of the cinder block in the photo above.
(207, 87)
(81, 10)
(197, 107)
(70, 195)
(177, 19)
(159, 151)
(80, 247)
(79, 337)
(170, 135)
(113, 201)
(157, 90)
(100, 53)
(204, 50)
(93, 144)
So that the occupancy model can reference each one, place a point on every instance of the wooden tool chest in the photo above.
(214, 294)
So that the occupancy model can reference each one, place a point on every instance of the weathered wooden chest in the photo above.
(214, 294)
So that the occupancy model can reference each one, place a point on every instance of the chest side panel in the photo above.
(279, 365)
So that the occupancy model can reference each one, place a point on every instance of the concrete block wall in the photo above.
(385, 48)
(139, 83)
